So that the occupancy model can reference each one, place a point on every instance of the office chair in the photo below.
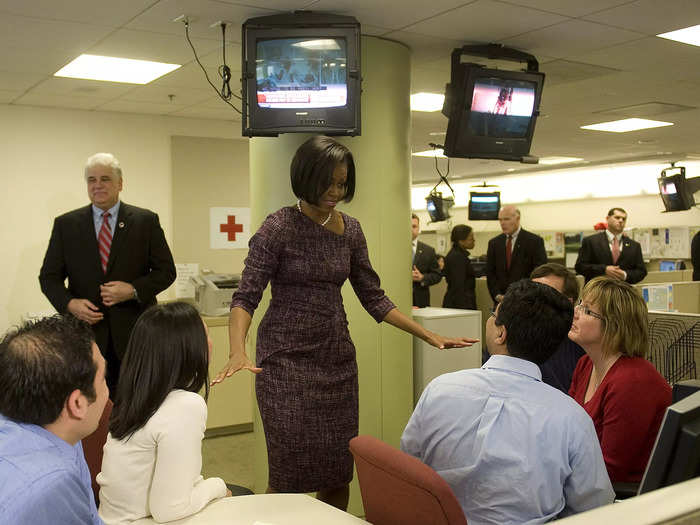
(93, 446)
(397, 489)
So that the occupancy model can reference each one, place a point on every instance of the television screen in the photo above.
(668, 266)
(501, 107)
(301, 73)
(484, 206)
(438, 206)
(492, 113)
(675, 193)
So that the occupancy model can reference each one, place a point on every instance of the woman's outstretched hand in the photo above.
(235, 363)
(441, 342)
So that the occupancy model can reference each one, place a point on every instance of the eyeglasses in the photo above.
(588, 311)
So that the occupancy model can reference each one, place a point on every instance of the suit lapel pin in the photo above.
(121, 224)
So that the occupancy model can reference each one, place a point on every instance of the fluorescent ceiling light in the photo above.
(689, 35)
(427, 101)
(558, 160)
(437, 152)
(628, 124)
(113, 69)
(319, 43)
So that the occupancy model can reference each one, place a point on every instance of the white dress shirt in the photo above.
(513, 449)
(157, 471)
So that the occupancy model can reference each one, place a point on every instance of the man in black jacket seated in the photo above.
(611, 252)
(426, 271)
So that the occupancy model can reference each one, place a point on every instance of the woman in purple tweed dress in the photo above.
(307, 388)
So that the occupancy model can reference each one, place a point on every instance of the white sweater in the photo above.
(156, 472)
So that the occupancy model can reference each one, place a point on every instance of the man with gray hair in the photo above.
(115, 257)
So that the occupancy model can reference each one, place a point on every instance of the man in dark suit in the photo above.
(611, 252)
(426, 271)
(115, 257)
(512, 255)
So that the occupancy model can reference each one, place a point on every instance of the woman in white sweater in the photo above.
(153, 455)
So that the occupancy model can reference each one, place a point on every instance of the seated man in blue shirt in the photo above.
(559, 368)
(53, 395)
(513, 449)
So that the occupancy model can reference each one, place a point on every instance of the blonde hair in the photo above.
(624, 315)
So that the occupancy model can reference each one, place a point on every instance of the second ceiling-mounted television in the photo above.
(676, 191)
(492, 112)
(301, 74)
(484, 206)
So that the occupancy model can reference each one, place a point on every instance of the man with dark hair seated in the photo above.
(513, 449)
(52, 396)
(558, 370)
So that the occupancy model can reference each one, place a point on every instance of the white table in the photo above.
(429, 362)
(267, 509)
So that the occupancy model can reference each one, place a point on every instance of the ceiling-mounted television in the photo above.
(301, 74)
(484, 206)
(438, 207)
(676, 191)
(492, 112)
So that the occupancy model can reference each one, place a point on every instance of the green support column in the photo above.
(382, 205)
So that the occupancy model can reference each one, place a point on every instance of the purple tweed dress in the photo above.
(308, 392)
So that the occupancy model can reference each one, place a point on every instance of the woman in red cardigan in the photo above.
(622, 392)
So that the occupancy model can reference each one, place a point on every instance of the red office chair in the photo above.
(397, 489)
(92, 448)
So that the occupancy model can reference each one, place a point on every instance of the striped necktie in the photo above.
(104, 240)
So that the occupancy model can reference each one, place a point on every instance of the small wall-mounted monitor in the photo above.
(484, 206)
(676, 453)
(438, 206)
(491, 112)
(676, 191)
(301, 74)
(670, 266)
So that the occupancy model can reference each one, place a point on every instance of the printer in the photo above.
(212, 292)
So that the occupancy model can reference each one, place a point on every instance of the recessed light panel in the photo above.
(689, 35)
(113, 69)
(430, 153)
(558, 160)
(628, 124)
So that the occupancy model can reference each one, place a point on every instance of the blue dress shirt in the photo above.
(45, 481)
(513, 449)
(97, 218)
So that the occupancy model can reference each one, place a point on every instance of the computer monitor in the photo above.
(667, 266)
(676, 454)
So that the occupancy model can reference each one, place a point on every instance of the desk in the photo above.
(268, 509)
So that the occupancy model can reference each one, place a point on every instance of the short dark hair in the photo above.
(41, 363)
(537, 319)
(612, 210)
(559, 270)
(414, 216)
(312, 168)
(167, 350)
(459, 233)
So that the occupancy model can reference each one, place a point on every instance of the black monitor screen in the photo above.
(484, 206)
(501, 107)
(674, 193)
(301, 73)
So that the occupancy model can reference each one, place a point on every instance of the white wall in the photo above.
(42, 154)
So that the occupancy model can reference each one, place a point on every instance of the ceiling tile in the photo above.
(202, 14)
(211, 113)
(113, 14)
(59, 101)
(15, 81)
(81, 88)
(7, 96)
(651, 16)
(572, 8)
(570, 38)
(162, 95)
(485, 21)
(130, 106)
(143, 45)
(393, 17)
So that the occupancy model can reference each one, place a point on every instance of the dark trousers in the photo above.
(113, 364)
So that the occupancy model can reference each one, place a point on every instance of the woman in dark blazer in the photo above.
(458, 270)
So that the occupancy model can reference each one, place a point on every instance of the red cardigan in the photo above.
(627, 410)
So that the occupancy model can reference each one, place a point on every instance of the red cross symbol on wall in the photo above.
(231, 228)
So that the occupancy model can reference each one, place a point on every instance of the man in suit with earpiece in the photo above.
(426, 270)
(513, 254)
(611, 252)
(116, 260)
